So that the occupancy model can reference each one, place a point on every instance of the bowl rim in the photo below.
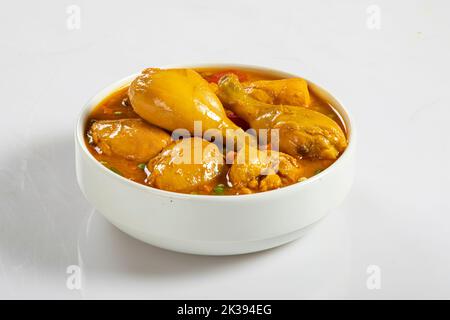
(93, 101)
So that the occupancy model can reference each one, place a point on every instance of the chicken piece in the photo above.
(292, 91)
(188, 165)
(175, 98)
(132, 139)
(302, 132)
(263, 170)
(270, 182)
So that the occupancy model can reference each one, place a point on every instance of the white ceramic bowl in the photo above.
(213, 225)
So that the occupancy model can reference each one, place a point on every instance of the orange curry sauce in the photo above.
(117, 106)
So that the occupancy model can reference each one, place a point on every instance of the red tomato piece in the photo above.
(237, 120)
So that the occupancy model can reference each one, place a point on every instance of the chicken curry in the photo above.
(145, 130)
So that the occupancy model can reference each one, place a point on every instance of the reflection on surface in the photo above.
(104, 248)
(41, 210)
(116, 265)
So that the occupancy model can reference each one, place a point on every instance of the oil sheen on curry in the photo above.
(148, 130)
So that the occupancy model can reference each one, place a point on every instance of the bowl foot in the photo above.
(215, 248)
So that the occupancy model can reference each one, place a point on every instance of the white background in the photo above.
(394, 80)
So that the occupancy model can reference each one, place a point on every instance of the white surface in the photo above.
(394, 80)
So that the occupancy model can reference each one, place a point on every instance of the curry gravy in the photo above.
(117, 106)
